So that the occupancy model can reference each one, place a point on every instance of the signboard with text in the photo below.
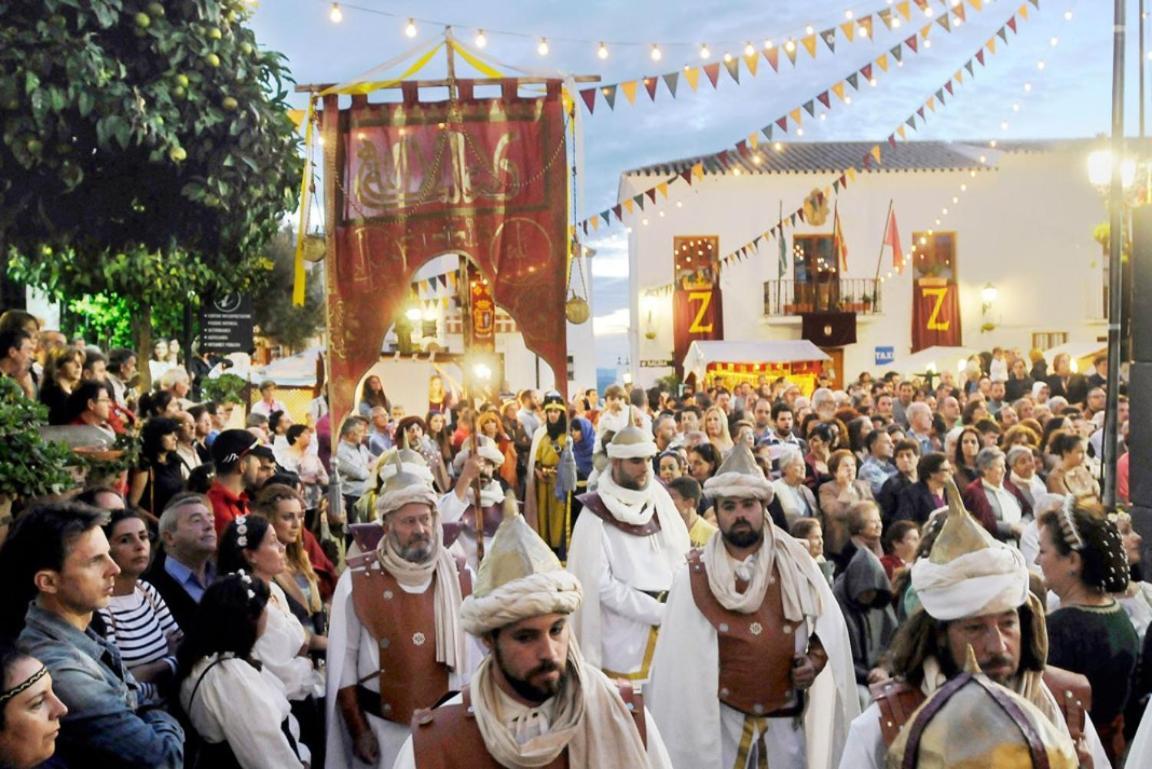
(226, 324)
(885, 355)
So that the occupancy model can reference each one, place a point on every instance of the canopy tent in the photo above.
(1081, 354)
(938, 358)
(797, 359)
(297, 370)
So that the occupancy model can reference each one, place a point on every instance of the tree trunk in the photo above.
(142, 336)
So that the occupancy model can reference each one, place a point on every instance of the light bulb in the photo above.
(336, 15)
(790, 45)
(542, 47)
(1067, 15)
(410, 30)
(656, 54)
(808, 30)
(896, 23)
(602, 51)
(749, 49)
(705, 52)
(768, 45)
(848, 15)
(927, 43)
(481, 39)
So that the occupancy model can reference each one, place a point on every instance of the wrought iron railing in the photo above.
(789, 297)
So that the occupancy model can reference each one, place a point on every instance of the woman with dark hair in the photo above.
(1070, 476)
(160, 403)
(439, 436)
(837, 497)
(61, 375)
(372, 395)
(703, 461)
(137, 620)
(1083, 560)
(30, 712)
(233, 702)
(964, 457)
(858, 429)
(1019, 382)
(670, 465)
(821, 439)
(158, 476)
(918, 501)
(900, 543)
(308, 467)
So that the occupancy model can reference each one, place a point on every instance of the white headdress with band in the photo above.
(740, 477)
(632, 443)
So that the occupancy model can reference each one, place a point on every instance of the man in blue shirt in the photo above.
(183, 568)
(61, 549)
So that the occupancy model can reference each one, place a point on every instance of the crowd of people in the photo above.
(742, 574)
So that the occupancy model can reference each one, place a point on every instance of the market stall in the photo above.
(731, 363)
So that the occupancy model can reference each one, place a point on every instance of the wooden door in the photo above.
(835, 367)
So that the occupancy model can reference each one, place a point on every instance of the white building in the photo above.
(1014, 222)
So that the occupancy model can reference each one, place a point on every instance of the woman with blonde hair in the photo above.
(284, 509)
(716, 428)
(490, 424)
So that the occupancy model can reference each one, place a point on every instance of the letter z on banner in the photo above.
(697, 309)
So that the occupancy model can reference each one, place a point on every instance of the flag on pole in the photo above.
(892, 238)
(838, 245)
(782, 260)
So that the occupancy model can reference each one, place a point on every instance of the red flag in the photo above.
(838, 245)
(892, 238)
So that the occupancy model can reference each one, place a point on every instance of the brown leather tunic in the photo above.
(493, 515)
(448, 737)
(403, 625)
(756, 650)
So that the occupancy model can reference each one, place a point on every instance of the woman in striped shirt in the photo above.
(137, 620)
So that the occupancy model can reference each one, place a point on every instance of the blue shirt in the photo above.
(187, 579)
(103, 727)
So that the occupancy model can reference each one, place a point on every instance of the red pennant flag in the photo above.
(980, 56)
(650, 87)
(773, 57)
(911, 43)
(783, 123)
(686, 175)
(948, 86)
(920, 112)
(651, 194)
(892, 140)
(825, 100)
(892, 238)
(1012, 24)
(589, 96)
(866, 71)
(619, 211)
(713, 73)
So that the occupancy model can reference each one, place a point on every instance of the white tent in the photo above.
(700, 354)
(936, 357)
(297, 370)
(1081, 353)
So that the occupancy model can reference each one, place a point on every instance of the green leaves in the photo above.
(29, 465)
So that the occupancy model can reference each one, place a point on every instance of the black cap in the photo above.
(230, 446)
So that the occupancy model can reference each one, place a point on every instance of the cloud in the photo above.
(611, 260)
(615, 323)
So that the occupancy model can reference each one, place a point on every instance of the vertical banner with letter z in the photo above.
(935, 314)
(697, 307)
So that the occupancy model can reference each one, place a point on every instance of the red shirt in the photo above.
(226, 506)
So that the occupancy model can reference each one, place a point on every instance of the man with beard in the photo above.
(237, 468)
(626, 546)
(754, 665)
(551, 475)
(534, 700)
(395, 643)
(974, 598)
(458, 508)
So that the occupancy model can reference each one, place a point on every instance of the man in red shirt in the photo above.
(236, 469)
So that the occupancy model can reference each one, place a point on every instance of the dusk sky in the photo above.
(1070, 97)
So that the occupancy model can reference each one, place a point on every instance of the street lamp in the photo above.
(1100, 169)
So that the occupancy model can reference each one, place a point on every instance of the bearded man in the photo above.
(463, 518)
(626, 546)
(973, 592)
(753, 666)
(395, 640)
(534, 701)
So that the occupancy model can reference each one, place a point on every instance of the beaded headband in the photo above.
(20, 688)
(1068, 528)
(242, 531)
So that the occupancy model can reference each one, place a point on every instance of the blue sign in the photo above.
(885, 355)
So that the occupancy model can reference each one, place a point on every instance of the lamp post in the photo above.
(1115, 242)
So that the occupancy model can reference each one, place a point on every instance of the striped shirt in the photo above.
(139, 625)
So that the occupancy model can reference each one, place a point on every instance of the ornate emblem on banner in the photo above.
(483, 315)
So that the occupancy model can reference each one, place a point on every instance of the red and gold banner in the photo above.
(697, 307)
(483, 316)
(935, 314)
(409, 181)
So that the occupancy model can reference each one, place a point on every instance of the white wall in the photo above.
(1024, 225)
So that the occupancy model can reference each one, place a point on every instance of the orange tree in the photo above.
(146, 151)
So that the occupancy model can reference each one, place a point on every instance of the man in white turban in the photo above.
(754, 666)
(395, 644)
(973, 593)
(534, 701)
(463, 518)
(627, 544)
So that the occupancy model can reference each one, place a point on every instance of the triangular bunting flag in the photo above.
(853, 81)
(866, 26)
(886, 17)
(609, 92)
(901, 132)
(584, 225)
(911, 42)
(639, 201)
(940, 96)
(793, 219)
(925, 31)
(836, 187)
(824, 99)
(671, 80)
(742, 147)
(897, 52)
(810, 107)
(662, 188)
(809, 42)
(629, 89)
(733, 67)
(650, 84)
(790, 52)
(753, 140)
(961, 14)
(843, 180)
(980, 57)
(977, 5)
(607, 216)
(752, 62)
(876, 153)
(838, 89)
(1024, 12)
(911, 121)
(866, 71)
(892, 140)
(849, 30)
(931, 103)
(618, 212)
(595, 222)
(713, 73)
(686, 175)
(698, 170)
(882, 62)
(1003, 34)
(920, 112)
(589, 97)
(948, 88)
(945, 21)
(651, 193)
(905, 10)
(796, 117)
(767, 131)
(968, 64)
(991, 45)
(851, 173)
(692, 75)
(772, 55)
(1012, 24)
(829, 38)
(783, 124)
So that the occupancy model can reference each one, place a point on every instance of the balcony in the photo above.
(862, 296)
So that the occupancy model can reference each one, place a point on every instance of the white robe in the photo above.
(614, 624)
(516, 713)
(1140, 751)
(702, 733)
(452, 509)
(865, 748)
(353, 654)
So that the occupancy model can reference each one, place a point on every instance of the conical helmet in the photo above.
(739, 476)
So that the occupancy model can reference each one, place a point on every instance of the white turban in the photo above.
(546, 592)
(986, 581)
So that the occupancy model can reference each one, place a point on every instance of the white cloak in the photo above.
(685, 679)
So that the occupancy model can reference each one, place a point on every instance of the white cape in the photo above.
(685, 675)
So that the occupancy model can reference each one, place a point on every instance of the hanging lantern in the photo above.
(314, 248)
(576, 308)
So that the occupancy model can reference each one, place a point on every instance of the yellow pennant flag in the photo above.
(991, 45)
(901, 132)
(924, 32)
(298, 276)
(810, 45)
(795, 115)
(692, 75)
(754, 139)
(595, 222)
(662, 188)
(849, 30)
(752, 62)
(905, 10)
(959, 76)
(838, 89)
(976, 4)
(1023, 12)
(931, 103)
(628, 204)
(698, 171)
(882, 62)
(875, 152)
(629, 90)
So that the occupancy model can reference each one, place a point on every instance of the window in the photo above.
(934, 255)
(1046, 340)
(816, 280)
